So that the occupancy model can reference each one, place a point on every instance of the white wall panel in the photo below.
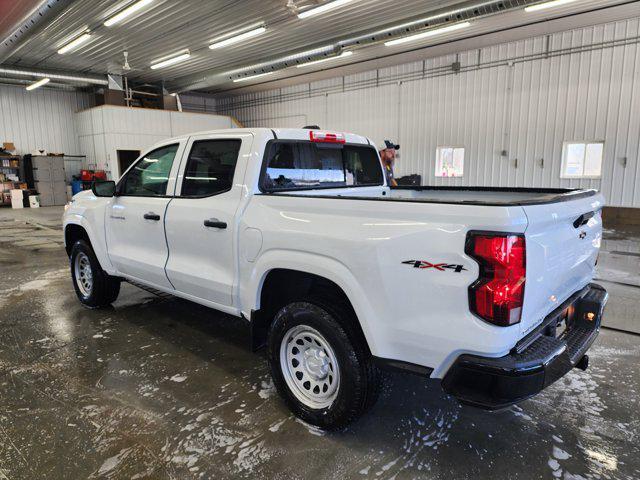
(517, 97)
(104, 130)
(307, 111)
(184, 123)
(376, 116)
(40, 119)
(197, 103)
(62, 122)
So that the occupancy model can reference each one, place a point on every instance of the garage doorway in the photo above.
(126, 158)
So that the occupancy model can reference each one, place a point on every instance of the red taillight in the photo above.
(326, 137)
(498, 294)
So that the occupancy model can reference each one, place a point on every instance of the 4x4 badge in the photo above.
(441, 267)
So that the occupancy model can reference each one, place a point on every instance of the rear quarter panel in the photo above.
(417, 315)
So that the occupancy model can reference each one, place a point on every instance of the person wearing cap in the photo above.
(388, 159)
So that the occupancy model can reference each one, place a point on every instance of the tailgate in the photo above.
(563, 240)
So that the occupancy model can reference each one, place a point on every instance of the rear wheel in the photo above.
(309, 366)
(320, 365)
(94, 287)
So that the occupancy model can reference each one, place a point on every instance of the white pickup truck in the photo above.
(295, 231)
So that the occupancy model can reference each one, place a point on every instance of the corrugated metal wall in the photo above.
(524, 98)
(197, 103)
(42, 118)
(104, 130)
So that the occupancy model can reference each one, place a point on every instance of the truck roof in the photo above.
(286, 134)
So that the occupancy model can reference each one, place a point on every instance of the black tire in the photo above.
(359, 379)
(104, 289)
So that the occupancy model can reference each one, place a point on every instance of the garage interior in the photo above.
(506, 93)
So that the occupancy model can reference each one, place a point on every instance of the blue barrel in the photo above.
(76, 186)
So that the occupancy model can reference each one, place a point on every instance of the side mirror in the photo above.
(104, 188)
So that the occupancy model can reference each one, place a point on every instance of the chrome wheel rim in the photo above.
(309, 366)
(83, 273)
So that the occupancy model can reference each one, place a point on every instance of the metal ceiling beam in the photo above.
(511, 33)
(472, 10)
(467, 11)
(33, 23)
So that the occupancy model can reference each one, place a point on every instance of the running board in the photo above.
(149, 289)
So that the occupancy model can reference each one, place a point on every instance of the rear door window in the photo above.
(210, 167)
(307, 165)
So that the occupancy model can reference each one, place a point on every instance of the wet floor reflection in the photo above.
(162, 388)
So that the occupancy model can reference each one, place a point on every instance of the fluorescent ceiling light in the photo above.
(322, 60)
(118, 17)
(428, 33)
(75, 43)
(545, 5)
(37, 84)
(288, 58)
(323, 8)
(238, 38)
(416, 23)
(161, 63)
(244, 79)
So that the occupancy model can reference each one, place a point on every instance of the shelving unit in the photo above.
(10, 164)
(10, 175)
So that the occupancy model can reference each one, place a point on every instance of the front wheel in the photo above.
(94, 287)
(320, 365)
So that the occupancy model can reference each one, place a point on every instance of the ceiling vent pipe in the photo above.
(33, 23)
(54, 75)
(466, 12)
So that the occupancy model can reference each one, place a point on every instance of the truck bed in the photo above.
(498, 196)
(487, 196)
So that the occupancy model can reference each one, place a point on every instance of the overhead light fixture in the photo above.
(166, 61)
(545, 5)
(283, 60)
(38, 84)
(323, 8)
(427, 34)
(417, 23)
(118, 17)
(328, 59)
(238, 38)
(75, 43)
(244, 79)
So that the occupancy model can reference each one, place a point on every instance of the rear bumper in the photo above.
(538, 360)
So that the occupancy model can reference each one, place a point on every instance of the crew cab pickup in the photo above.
(296, 232)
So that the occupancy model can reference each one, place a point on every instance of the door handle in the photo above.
(151, 216)
(583, 219)
(215, 223)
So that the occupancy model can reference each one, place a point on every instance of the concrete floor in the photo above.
(162, 388)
